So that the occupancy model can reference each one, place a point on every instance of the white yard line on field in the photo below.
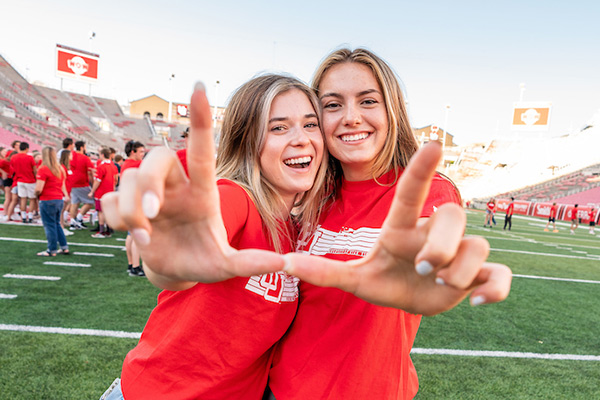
(37, 277)
(7, 296)
(470, 353)
(70, 331)
(106, 246)
(64, 264)
(589, 257)
(78, 253)
(507, 354)
(549, 278)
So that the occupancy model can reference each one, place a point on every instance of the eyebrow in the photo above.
(339, 96)
(278, 119)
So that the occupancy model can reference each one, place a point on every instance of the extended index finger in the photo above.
(201, 146)
(413, 187)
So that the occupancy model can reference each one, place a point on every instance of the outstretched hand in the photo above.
(423, 266)
(175, 221)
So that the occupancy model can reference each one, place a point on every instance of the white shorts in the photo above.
(26, 190)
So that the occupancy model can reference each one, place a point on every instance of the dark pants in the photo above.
(50, 211)
(508, 220)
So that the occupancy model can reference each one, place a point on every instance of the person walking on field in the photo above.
(509, 213)
(552, 218)
(490, 208)
(51, 189)
(592, 221)
(104, 182)
(24, 167)
(83, 173)
(575, 220)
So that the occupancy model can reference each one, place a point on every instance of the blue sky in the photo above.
(471, 55)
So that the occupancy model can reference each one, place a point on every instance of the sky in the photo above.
(472, 56)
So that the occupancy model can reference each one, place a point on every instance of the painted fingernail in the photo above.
(477, 300)
(150, 204)
(287, 265)
(199, 86)
(424, 268)
(141, 236)
(440, 281)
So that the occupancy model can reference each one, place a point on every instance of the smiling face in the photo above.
(355, 121)
(293, 146)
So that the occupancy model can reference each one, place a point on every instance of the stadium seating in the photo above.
(44, 116)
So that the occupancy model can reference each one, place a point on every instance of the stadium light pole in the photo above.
(92, 37)
(170, 94)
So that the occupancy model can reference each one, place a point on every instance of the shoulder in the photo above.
(231, 191)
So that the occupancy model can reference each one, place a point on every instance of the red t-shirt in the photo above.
(24, 167)
(509, 210)
(552, 211)
(129, 163)
(215, 341)
(491, 206)
(5, 165)
(339, 346)
(182, 155)
(69, 180)
(80, 165)
(106, 173)
(52, 184)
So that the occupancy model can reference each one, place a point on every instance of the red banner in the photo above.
(519, 207)
(76, 64)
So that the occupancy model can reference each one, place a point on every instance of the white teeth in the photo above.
(299, 160)
(352, 138)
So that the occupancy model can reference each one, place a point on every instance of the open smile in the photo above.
(298, 162)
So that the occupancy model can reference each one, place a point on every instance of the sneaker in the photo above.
(67, 232)
(80, 222)
(75, 225)
(107, 234)
(556, 230)
(135, 271)
(98, 235)
(141, 271)
(95, 229)
(546, 229)
(3, 218)
(129, 269)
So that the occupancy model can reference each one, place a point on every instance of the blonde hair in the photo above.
(49, 160)
(242, 139)
(400, 143)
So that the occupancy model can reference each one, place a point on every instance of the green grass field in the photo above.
(541, 320)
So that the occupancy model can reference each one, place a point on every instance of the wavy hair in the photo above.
(238, 159)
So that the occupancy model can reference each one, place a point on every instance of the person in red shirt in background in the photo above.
(24, 167)
(83, 170)
(509, 213)
(135, 152)
(104, 182)
(50, 188)
(490, 209)
(6, 177)
(592, 220)
(182, 153)
(552, 218)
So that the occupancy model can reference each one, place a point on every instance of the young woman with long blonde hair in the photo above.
(50, 189)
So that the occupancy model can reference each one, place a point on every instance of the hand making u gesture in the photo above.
(423, 266)
(175, 221)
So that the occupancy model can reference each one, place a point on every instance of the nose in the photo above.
(300, 137)
(352, 115)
